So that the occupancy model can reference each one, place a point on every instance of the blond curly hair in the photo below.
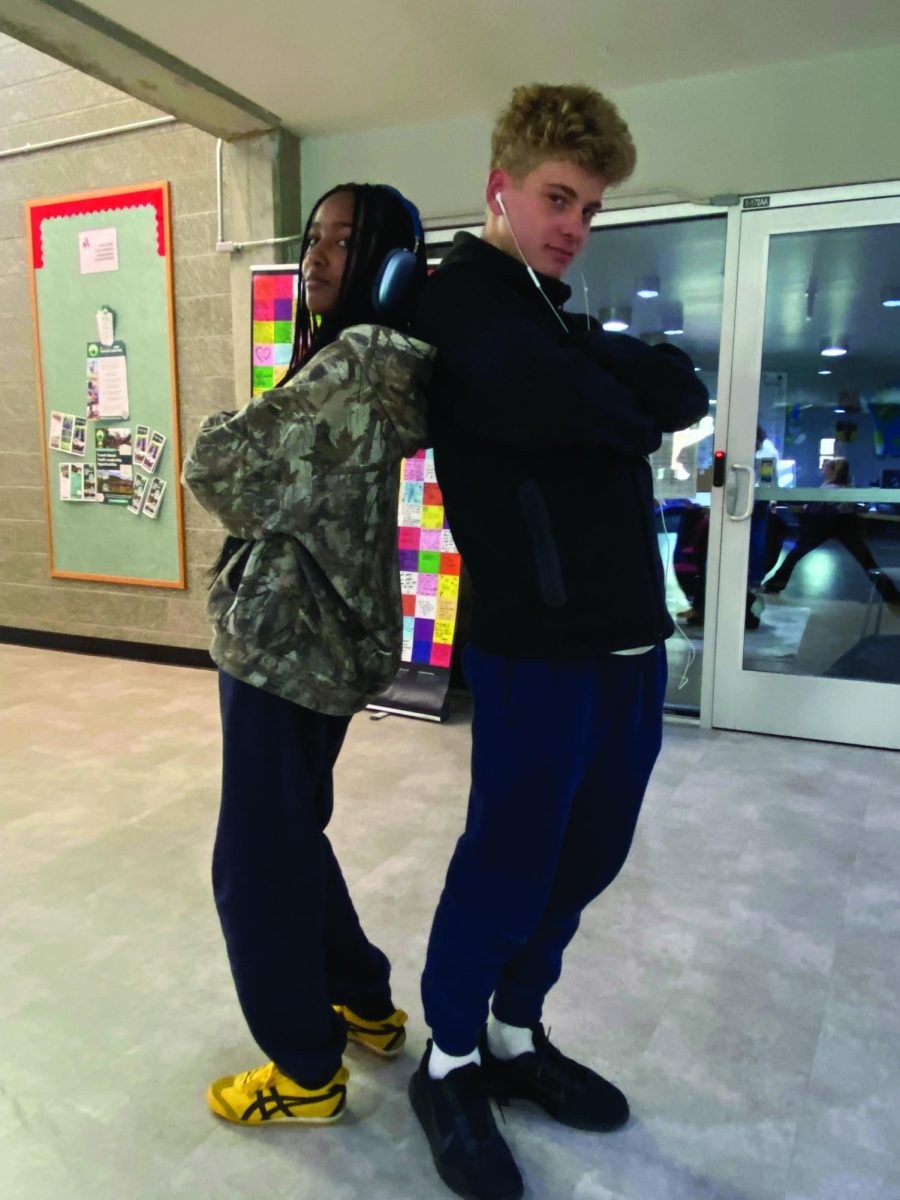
(567, 121)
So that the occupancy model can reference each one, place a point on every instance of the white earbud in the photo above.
(528, 267)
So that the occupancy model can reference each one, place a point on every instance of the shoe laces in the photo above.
(551, 1057)
(257, 1078)
(472, 1107)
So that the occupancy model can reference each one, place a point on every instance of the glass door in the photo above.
(808, 588)
(659, 275)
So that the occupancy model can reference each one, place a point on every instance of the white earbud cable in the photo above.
(528, 268)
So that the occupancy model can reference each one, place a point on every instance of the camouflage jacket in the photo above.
(308, 474)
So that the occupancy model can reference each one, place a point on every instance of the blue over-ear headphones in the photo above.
(396, 277)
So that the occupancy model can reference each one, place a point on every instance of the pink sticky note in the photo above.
(430, 539)
(407, 538)
(441, 655)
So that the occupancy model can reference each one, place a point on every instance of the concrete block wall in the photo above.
(40, 100)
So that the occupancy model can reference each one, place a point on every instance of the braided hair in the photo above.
(381, 223)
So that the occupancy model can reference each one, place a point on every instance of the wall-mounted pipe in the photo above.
(33, 147)
(222, 244)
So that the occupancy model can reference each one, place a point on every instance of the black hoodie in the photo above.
(540, 436)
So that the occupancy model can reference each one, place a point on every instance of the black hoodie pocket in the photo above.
(543, 544)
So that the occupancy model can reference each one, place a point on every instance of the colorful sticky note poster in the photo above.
(274, 305)
(432, 516)
(429, 566)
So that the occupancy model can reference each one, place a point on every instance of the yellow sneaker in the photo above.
(381, 1037)
(264, 1094)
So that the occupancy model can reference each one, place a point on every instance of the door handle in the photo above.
(737, 468)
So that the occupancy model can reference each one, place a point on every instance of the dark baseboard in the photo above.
(72, 643)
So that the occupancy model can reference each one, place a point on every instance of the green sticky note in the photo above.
(284, 331)
(263, 377)
(429, 561)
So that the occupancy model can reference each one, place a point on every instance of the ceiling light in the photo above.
(648, 287)
(616, 318)
(825, 371)
(833, 348)
(890, 296)
(840, 410)
(673, 319)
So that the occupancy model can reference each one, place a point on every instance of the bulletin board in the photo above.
(101, 278)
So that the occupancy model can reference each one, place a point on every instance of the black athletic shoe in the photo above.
(572, 1094)
(470, 1155)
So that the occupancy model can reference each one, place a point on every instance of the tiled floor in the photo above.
(740, 980)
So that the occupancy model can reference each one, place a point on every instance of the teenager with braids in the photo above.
(305, 607)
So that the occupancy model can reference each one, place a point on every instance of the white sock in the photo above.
(441, 1064)
(508, 1041)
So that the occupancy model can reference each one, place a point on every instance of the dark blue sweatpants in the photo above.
(561, 757)
(294, 940)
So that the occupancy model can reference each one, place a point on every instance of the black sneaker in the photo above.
(470, 1155)
(572, 1094)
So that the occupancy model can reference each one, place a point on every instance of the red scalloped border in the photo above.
(92, 204)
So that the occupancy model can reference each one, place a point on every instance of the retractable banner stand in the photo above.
(429, 582)
(429, 560)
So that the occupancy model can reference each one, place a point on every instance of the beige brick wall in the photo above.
(40, 100)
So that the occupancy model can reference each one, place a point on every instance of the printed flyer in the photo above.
(154, 499)
(154, 450)
(56, 420)
(76, 482)
(114, 463)
(67, 433)
(107, 382)
(137, 495)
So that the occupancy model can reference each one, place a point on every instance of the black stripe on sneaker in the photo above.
(268, 1105)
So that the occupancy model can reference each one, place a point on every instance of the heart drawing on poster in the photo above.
(263, 353)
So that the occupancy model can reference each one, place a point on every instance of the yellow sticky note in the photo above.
(263, 332)
(443, 632)
(432, 516)
(448, 587)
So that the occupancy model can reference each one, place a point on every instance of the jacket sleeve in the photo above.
(510, 379)
(662, 377)
(253, 469)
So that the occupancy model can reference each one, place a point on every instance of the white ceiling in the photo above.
(363, 64)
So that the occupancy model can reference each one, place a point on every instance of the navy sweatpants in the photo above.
(561, 757)
(294, 940)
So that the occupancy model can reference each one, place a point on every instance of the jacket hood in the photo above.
(470, 250)
(397, 367)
